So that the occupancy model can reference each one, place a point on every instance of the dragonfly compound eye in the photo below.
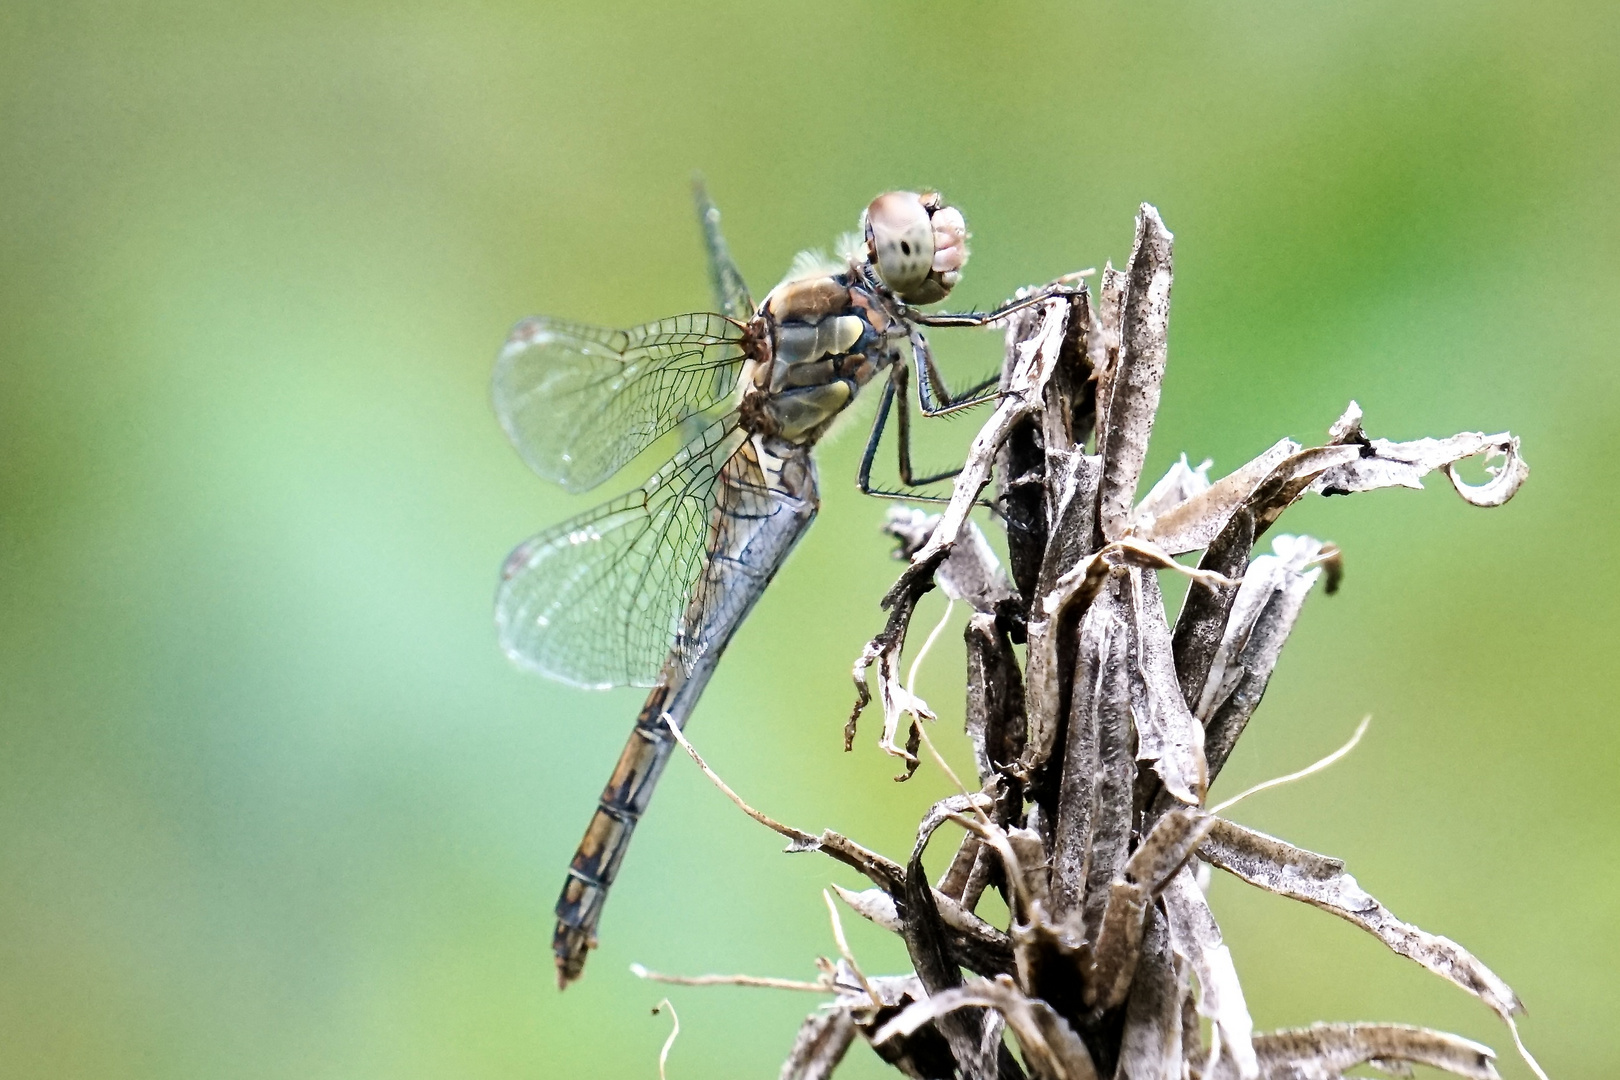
(916, 243)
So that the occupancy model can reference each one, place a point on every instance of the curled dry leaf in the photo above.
(1196, 938)
(1262, 616)
(823, 1039)
(1280, 867)
(1151, 1044)
(1351, 462)
(1325, 1051)
(970, 573)
(1167, 732)
(1404, 464)
(1133, 394)
(1111, 957)
(1049, 1044)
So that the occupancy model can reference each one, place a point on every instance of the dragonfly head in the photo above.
(916, 243)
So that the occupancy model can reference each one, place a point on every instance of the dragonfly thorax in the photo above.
(819, 339)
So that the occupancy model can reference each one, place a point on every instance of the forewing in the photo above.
(580, 401)
(598, 601)
(730, 292)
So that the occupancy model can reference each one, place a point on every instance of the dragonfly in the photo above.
(648, 589)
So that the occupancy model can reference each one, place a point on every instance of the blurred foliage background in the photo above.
(273, 805)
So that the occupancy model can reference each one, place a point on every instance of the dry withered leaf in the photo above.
(1280, 867)
(1196, 938)
(1194, 523)
(1050, 1046)
(1263, 613)
(823, 1039)
(1180, 483)
(1350, 462)
(1094, 801)
(1167, 732)
(1113, 953)
(1133, 391)
(1150, 1046)
(1325, 1051)
(1102, 344)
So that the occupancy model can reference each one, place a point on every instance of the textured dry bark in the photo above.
(1094, 753)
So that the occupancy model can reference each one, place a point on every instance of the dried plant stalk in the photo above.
(1094, 754)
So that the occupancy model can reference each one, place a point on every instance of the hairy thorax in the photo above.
(816, 341)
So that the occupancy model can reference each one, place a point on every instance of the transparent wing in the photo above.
(601, 600)
(580, 401)
(729, 290)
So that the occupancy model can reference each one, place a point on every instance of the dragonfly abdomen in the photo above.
(596, 861)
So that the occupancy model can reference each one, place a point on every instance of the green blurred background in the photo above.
(273, 805)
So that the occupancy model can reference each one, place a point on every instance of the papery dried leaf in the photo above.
(924, 934)
(1263, 614)
(1325, 1051)
(1347, 428)
(1167, 733)
(923, 1055)
(1167, 847)
(1403, 464)
(1112, 817)
(971, 941)
(1201, 623)
(1049, 1044)
(1195, 523)
(925, 937)
(945, 810)
(1046, 669)
(994, 719)
(1150, 1048)
(1135, 384)
(1093, 822)
(1075, 478)
(955, 878)
(873, 905)
(1180, 483)
(1110, 963)
(1068, 407)
(823, 1039)
(1351, 462)
(1196, 938)
(1280, 867)
(894, 991)
(970, 573)
(1111, 958)
(1102, 343)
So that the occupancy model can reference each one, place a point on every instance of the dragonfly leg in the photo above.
(985, 318)
(894, 388)
(933, 396)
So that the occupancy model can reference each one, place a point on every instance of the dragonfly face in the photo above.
(917, 244)
(648, 589)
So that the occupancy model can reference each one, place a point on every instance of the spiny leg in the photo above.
(895, 387)
(933, 396)
(985, 318)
